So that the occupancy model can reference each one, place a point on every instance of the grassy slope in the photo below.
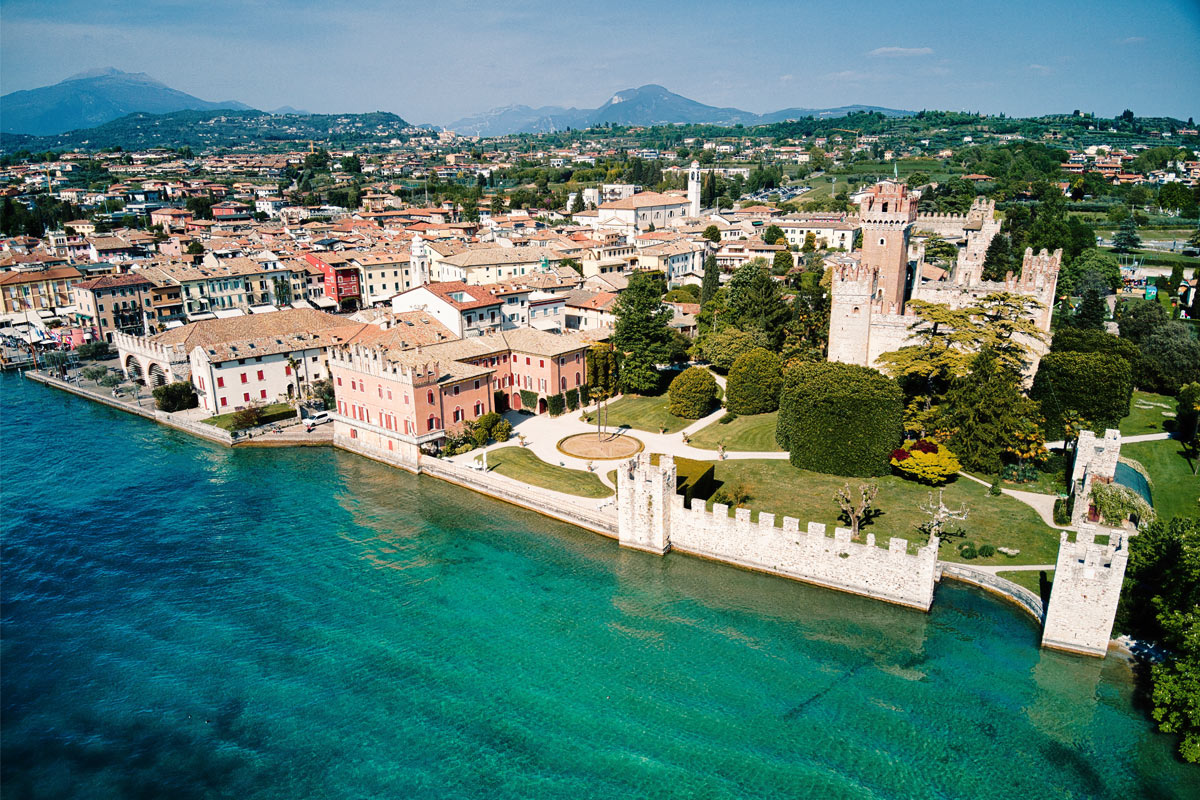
(1146, 413)
(521, 464)
(272, 413)
(752, 433)
(1175, 488)
(643, 413)
(779, 488)
(1031, 579)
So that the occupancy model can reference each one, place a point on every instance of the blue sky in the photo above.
(443, 59)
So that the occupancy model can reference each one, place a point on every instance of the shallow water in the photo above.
(184, 620)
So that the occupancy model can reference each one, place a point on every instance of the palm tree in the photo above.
(294, 365)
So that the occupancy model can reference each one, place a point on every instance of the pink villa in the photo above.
(392, 401)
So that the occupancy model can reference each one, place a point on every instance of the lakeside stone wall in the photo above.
(652, 517)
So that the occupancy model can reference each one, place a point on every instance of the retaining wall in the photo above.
(1022, 597)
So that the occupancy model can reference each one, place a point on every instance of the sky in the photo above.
(437, 61)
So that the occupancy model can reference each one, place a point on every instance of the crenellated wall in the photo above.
(652, 517)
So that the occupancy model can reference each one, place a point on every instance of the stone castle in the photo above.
(653, 517)
(869, 304)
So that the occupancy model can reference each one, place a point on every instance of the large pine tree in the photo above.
(983, 411)
(1126, 239)
(641, 332)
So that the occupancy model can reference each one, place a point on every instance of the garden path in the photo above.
(1043, 504)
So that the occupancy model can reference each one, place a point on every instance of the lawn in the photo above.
(645, 413)
(752, 433)
(1174, 488)
(272, 413)
(1031, 579)
(1146, 413)
(779, 488)
(522, 465)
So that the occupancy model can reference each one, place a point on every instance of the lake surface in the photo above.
(182, 620)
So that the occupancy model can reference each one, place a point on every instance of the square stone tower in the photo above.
(644, 493)
(887, 214)
(1086, 589)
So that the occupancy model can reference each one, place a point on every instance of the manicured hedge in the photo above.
(1098, 386)
(840, 419)
(693, 479)
(556, 404)
(529, 400)
(572, 396)
(754, 383)
(693, 393)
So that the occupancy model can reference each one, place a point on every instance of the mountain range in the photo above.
(94, 97)
(102, 96)
(646, 105)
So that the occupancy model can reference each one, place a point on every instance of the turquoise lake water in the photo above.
(181, 620)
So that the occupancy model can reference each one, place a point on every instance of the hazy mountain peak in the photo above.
(100, 72)
(94, 97)
(650, 104)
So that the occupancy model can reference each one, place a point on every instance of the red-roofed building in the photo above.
(343, 284)
(465, 309)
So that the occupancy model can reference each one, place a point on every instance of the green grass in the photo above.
(1054, 483)
(1146, 413)
(1175, 489)
(753, 433)
(1031, 579)
(645, 413)
(522, 465)
(779, 488)
(272, 413)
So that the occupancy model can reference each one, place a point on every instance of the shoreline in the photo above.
(522, 496)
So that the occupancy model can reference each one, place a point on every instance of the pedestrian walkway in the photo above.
(1043, 504)
(1141, 437)
(543, 433)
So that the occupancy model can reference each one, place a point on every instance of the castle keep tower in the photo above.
(694, 190)
(644, 495)
(887, 215)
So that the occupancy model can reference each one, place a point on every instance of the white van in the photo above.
(317, 418)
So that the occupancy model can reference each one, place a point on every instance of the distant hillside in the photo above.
(93, 98)
(646, 105)
(208, 129)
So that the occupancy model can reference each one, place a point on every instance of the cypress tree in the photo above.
(711, 282)
(998, 260)
(1091, 311)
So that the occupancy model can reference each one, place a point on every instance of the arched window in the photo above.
(576, 378)
(562, 383)
(478, 409)
(458, 414)
(432, 421)
(430, 395)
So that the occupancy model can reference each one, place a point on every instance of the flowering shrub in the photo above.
(925, 461)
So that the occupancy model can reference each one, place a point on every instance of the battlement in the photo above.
(938, 217)
(375, 361)
(652, 517)
(875, 223)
